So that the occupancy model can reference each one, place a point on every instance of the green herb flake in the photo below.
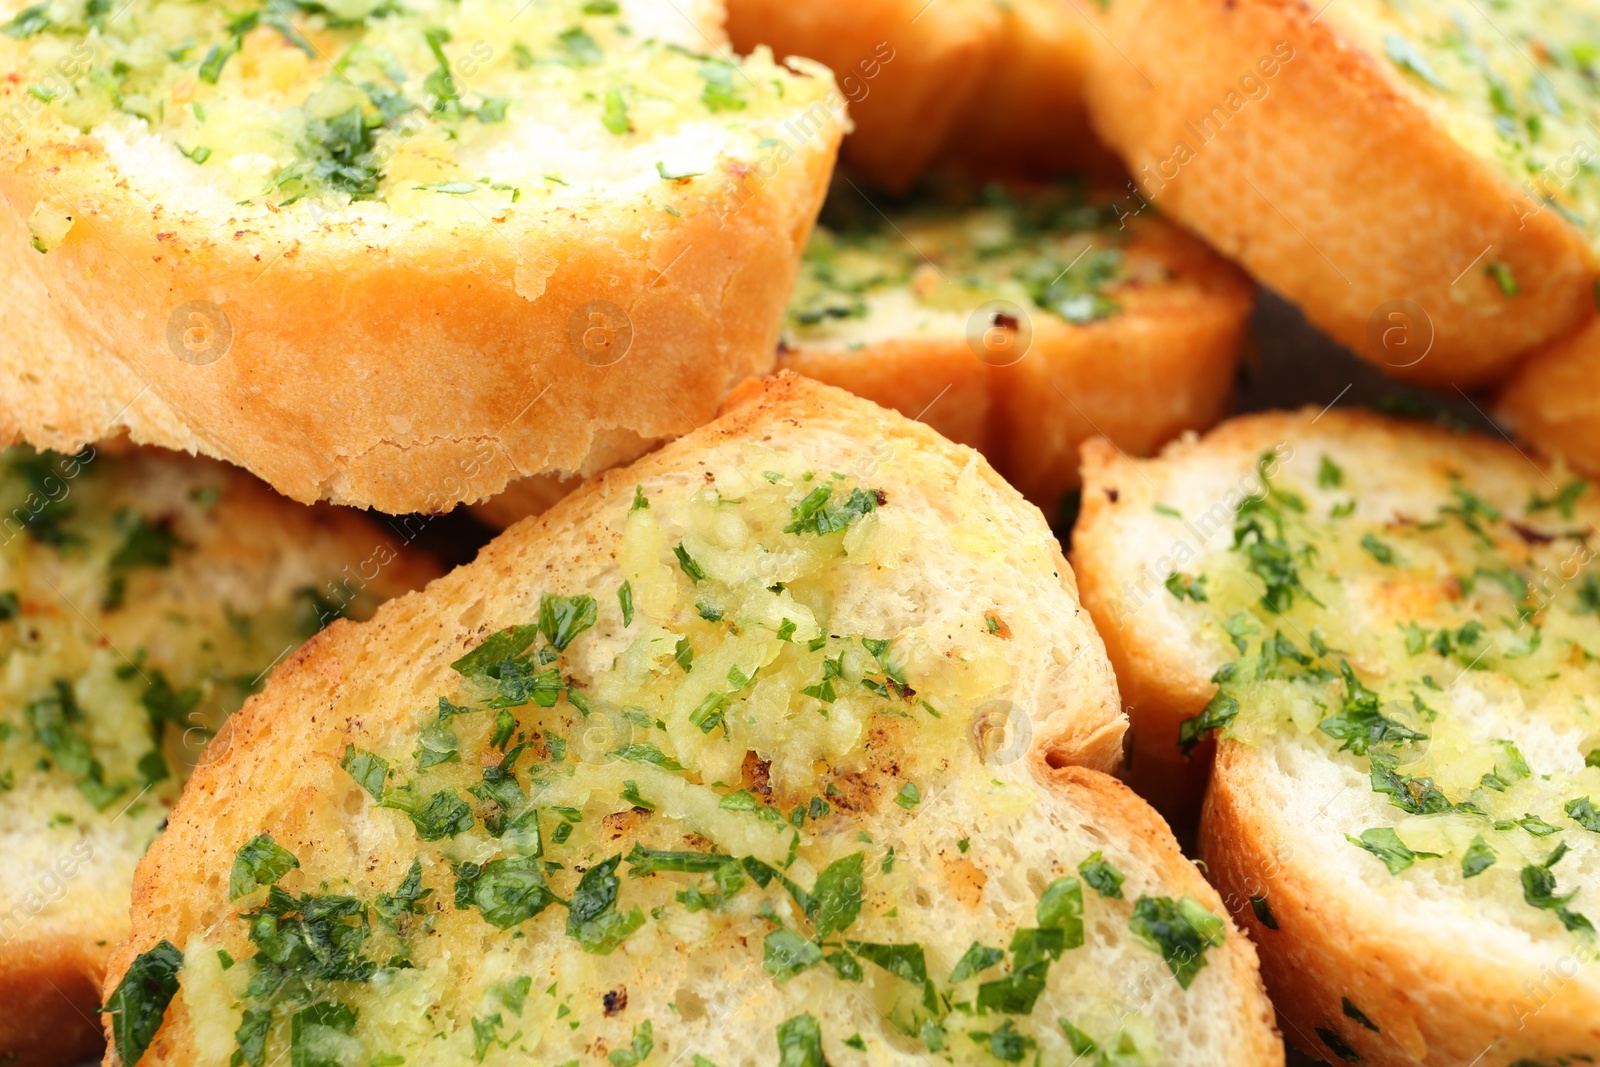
(139, 1003)
(1101, 876)
(1385, 844)
(647, 752)
(818, 514)
(688, 564)
(786, 954)
(260, 862)
(639, 1048)
(1583, 812)
(1184, 586)
(1539, 890)
(1501, 274)
(1218, 714)
(1180, 931)
(1005, 1044)
(1377, 549)
(1353, 1012)
(1405, 55)
(1338, 1045)
(562, 618)
(1479, 857)
(800, 1042)
(977, 959)
(616, 113)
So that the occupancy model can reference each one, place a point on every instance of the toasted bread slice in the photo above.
(996, 86)
(395, 256)
(1553, 400)
(734, 753)
(1026, 117)
(142, 596)
(1022, 324)
(1394, 628)
(1385, 166)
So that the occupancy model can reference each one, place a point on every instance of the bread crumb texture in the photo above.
(142, 598)
(726, 759)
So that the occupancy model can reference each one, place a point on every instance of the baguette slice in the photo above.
(1358, 155)
(143, 596)
(1114, 324)
(389, 255)
(1401, 656)
(1553, 400)
(679, 768)
(997, 87)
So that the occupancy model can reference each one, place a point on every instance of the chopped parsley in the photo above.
(1263, 911)
(139, 1003)
(1184, 586)
(1385, 844)
(1180, 931)
(1539, 890)
(800, 1042)
(1101, 876)
(260, 862)
(819, 514)
(1479, 857)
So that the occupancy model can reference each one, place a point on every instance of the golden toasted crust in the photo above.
(905, 74)
(1026, 115)
(1432, 1004)
(52, 965)
(998, 88)
(1162, 365)
(939, 383)
(1553, 400)
(1118, 806)
(1333, 186)
(386, 362)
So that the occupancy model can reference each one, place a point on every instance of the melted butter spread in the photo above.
(921, 269)
(406, 101)
(1450, 655)
(122, 650)
(687, 815)
(1514, 81)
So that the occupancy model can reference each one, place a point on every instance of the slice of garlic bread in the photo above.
(1425, 166)
(1026, 117)
(1021, 322)
(142, 597)
(995, 86)
(1553, 400)
(397, 254)
(1394, 627)
(783, 744)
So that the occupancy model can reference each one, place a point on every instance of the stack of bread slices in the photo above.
(531, 531)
